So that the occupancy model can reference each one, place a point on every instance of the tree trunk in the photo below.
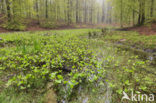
(91, 15)
(133, 17)
(143, 12)
(121, 15)
(98, 16)
(37, 12)
(91, 12)
(3, 7)
(110, 15)
(8, 10)
(85, 11)
(69, 12)
(58, 11)
(46, 9)
(77, 11)
(152, 6)
(141, 18)
(103, 12)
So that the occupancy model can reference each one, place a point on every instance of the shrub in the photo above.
(13, 25)
(48, 24)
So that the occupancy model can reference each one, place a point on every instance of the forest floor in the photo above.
(120, 63)
(36, 27)
(148, 29)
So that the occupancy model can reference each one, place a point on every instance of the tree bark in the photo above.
(8, 10)
(91, 12)
(103, 12)
(37, 12)
(46, 9)
(133, 17)
(3, 7)
(141, 18)
(77, 11)
(69, 12)
(121, 14)
(85, 11)
(152, 6)
(143, 12)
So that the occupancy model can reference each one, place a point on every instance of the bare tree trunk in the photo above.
(91, 12)
(85, 11)
(121, 15)
(77, 11)
(143, 12)
(37, 12)
(3, 7)
(8, 10)
(110, 15)
(103, 11)
(65, 12)
(98, 16)
(133, 17)
(58, 11)
(69, 12)
(152, 6)
(46, 9)
(91, 15)
(139, 17)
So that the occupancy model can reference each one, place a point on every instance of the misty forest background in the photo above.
(19, 14)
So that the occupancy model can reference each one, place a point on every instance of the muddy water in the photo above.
(145, 54)
(104, 92)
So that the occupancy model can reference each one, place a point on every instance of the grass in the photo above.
(11, 96)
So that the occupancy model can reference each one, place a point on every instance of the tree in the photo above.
(77, 11)
(2, 6)
(152, 7)
(8, 3)
(121, 14)
(37, 11)
(50, 12)
(46, 10)
(103, 11)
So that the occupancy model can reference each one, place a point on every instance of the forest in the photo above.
(18, 14)
(77, 51)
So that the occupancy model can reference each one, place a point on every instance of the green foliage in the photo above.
(15, 21)
(67, 60)
(131, 38)
(64, 60)
(14, 25)
(11, 96)
(124, 70)
(133, 12)
(48, 24)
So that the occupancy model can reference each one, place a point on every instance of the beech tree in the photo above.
(134, 11)
(49, 13)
